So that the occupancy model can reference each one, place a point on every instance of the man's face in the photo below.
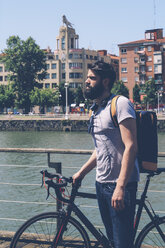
(93, 86)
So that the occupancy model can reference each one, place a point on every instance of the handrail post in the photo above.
(58, 167)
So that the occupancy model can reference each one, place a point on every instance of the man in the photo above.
(114, 156)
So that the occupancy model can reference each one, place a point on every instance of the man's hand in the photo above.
(77, 176)
(118, 198)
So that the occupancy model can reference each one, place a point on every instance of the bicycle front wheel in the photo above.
(149, 237)
(41, 230)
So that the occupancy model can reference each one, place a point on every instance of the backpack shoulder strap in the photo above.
(113, 110)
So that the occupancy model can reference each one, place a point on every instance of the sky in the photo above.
(100, 24)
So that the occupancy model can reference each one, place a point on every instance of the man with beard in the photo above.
(114, 156)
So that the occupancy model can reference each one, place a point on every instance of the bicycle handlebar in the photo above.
(61, 182)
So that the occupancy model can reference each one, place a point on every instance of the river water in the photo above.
(19, 202)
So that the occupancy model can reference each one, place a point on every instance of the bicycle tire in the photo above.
(41, 229)
(149, 236)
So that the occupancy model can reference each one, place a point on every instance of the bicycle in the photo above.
(60, 229)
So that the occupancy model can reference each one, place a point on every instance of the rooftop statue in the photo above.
(65, 21)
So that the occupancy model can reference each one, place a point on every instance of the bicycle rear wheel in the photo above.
(149, 237)
(40, 231)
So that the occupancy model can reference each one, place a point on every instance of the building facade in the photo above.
(68, 63)
(143, 60)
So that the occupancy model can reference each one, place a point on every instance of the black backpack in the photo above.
(147, 139)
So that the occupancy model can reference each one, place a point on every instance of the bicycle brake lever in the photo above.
(42, 182)
(48, 193)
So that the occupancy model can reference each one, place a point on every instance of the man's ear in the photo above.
(106, 83)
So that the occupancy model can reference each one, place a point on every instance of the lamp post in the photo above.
(66, 91)
(159, 94)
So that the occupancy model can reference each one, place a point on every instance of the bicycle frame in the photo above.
(100, 237)
(142, 205)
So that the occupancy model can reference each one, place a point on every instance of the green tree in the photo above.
(79, 97)
(136, 94)
(120, 89)
(150, 92)
(44, 98)
(7, 96)
(26, 62)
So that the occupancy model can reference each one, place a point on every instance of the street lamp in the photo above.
(66, 91)
(158, 94)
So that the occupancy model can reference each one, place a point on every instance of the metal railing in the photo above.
(50, 164)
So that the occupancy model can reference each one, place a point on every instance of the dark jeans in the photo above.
(118, 224)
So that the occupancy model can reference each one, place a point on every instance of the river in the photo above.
(16, 168)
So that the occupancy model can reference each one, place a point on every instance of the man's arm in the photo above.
(128, 134)
(86, 168)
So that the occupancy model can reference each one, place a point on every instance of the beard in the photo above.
(94, 92)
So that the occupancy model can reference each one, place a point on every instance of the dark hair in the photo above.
(104, 70)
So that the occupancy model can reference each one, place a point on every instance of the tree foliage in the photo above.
(7, 96)
(44, 98)
(150, 90)
(136, 94)
(26, 62)
(79, 97)
(120, 89)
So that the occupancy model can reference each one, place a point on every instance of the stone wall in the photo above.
(43, 125)
(52, 125)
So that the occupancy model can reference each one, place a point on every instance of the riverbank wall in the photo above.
(54, 125)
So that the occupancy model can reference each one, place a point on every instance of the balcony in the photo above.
(142, 72)
(158, 81)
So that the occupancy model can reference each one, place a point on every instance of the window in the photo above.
(1, 69)
(149, 68)
(75, 75)
(47, 86)
(53, 75)
(47, 76)
(141, 48)
(91, 57)
(149, 58)
(6, 70)
(124, 79)
(63, 43)
(75, 85)
(63, 66)
(155, 68)
(136, 69)
(77, 56)
(70, 55)
(56, 57)
(54, 85)
(72, 42)
(149, 48)
(53, 66)
(136, 49)
(75, 65)
(47, 66)
(123, 50)
(136, 79)
(136, 59)
(124, 69)
(123, 60)
(1, 78)
(6, 78)
(63, 75)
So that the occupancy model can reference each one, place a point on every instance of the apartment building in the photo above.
(143, 60)
(68, 63)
